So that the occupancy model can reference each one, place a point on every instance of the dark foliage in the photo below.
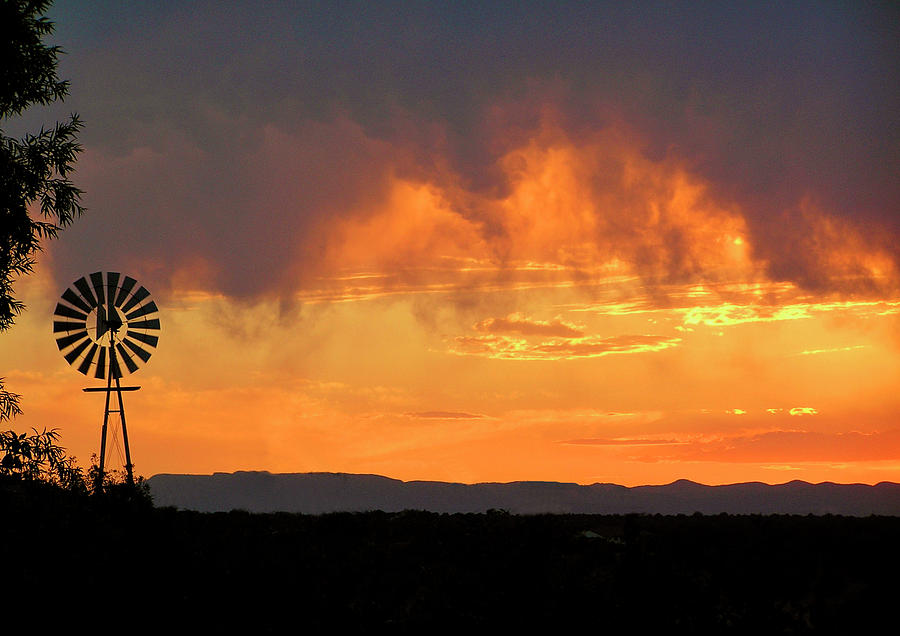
(9, 404)
(33, 170)
(419, 572)
(38, 461)
(38, 457)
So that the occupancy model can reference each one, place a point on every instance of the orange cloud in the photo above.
(445, 415)
(519, 324)
(510, 348)
(812, 352)
(577, 212)
(788, 447)
(727, 315)
(638, 441)
(572, 211)
(822, 251)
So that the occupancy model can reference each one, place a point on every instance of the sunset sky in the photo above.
(587, 242)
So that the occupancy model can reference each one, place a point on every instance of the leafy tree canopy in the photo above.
(38, 457)
(37, 199)
(34, 171)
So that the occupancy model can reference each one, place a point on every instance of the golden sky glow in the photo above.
(478, 245)
(572, 344)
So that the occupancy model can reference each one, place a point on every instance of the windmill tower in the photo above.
(101, 323)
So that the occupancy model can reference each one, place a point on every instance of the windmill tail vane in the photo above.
(101, 323)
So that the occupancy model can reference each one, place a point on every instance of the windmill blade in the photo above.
(97, 280)
(139, 295)
(100, 374)
(67, 326)
(143, 337)
(145, 324)
(149, 308)
(132, 367)
(143, 354)
(74, 353)
(65, 341)
(82, 285)
(127, 286)
(74, 299)
(86, 363)
(112, 286)
(68, 312)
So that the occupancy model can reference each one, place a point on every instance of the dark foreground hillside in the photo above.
(81, 559)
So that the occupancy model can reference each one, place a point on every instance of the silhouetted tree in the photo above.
(38, 457)
(33, 170)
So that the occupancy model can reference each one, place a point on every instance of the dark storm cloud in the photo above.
(234, 220)
(229, 131)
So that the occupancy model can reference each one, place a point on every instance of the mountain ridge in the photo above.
(324, 492)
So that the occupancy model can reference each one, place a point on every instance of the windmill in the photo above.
(102, 323)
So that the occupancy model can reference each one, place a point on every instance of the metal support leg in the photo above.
(128, 467)
(98, 485)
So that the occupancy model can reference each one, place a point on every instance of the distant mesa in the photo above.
(317, 493)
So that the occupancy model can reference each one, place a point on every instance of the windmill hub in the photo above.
(106, 322)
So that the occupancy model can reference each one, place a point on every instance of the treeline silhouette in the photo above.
(164, 568)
